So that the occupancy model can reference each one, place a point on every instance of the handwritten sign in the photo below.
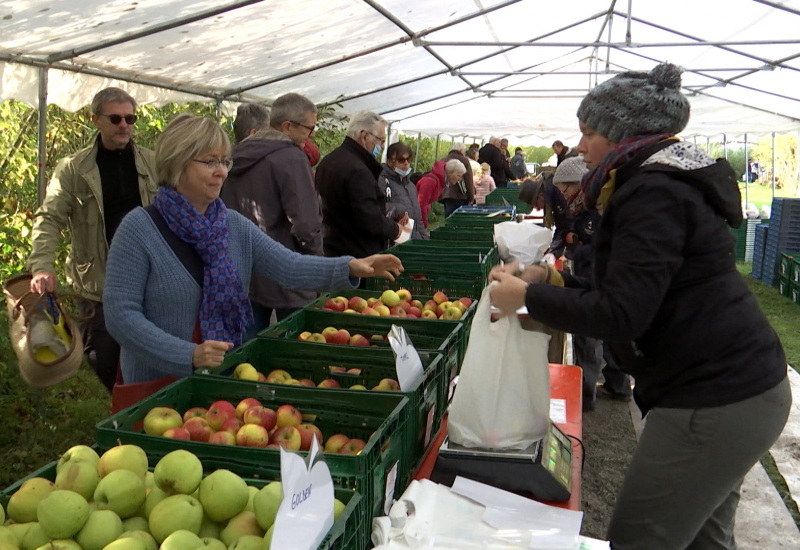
(407, 361)
(306, 513)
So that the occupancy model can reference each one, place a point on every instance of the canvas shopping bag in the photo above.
(502, 400)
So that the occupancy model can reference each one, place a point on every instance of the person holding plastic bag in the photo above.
(710, 371)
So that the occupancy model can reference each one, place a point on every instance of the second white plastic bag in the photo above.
(502, 400)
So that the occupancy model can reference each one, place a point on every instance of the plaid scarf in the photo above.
(225, 310)
(626, 150)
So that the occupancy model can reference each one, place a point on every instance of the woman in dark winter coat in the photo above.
(710, 371)
(401, 194)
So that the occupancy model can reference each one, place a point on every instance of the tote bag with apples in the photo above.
(502, 400)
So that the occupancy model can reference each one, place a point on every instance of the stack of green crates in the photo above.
(511, 195)
(429, 249)
(789, 276)
(378, 419)
(351, 531)
(427, 398)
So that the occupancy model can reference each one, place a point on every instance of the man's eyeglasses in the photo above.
(381, 140)
(213, 164)
(130, 120)
(309, 128)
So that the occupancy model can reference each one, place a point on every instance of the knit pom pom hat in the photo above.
(570, 170)
(637, 103)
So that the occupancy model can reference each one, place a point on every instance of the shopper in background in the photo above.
(484, 183)
(178, 271)
(666, 296)
(401, 195)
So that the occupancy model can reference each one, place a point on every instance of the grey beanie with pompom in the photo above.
(637, 103)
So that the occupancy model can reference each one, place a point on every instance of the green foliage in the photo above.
(425, 156)
(331, 129)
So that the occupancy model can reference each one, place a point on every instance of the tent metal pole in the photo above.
(708, 146)
(42, 136)
(725, 146)
(416, 154)
(617, 45)
(773, 165)
(218, 108)
(746, 174)
(436, 150)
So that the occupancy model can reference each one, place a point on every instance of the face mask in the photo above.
(403, 172)
(376, 152)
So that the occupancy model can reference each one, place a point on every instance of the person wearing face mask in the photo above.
(353, 204)
(401, 194)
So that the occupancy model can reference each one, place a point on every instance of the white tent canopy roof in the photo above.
(460, 67)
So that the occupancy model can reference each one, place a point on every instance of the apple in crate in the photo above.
(218, 413)
(414, 311)
(428, 314)
(417, 304)
(397, 311)
(307, 434)
(178, 472)
(287, 437)
(357, 303)
(123, 457)
(160, 419)
(177, 433)
(390, 298)
(245, 371)
(382, 310)
(440, 297)
(327, 332)
(223, 438)
(369, 311)
(371, 302)
(335, 442)
(352, 447)
(453, 313)
(359, 340)
(329, 383)
(307, 382)
(288, 415)
(246, 403)
(341, 336)
(252, 435)
(232, 425)
(336, 304)
(388, 384)
(263, 416)
(316, 337)
(195, 411)
(198, 428)
(404, 294)
(277, 376)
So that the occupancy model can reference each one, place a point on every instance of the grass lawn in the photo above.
(760, 194)
(42, 424)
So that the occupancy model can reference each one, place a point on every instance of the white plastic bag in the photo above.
(502, 400)
(522, 242)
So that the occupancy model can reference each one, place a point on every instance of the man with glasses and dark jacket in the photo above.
(89, 194)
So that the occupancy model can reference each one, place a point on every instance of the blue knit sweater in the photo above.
(151, 302)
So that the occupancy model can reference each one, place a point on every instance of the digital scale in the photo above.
(544, 469)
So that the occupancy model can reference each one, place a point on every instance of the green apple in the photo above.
(149, 480)
(101, 528)
(78, 475)
(181, 540)
(62, 513)
(59, 544)
(213, 543)
(266, 504)
(338, 508)
(208, 529)
(121, 491)
(174, 513)
(223, 494)
(8, 540)
(135, 523)
(253, 491)
(123, 457)
(126, 544)
(179, 472)
(142, 535)
(2, 514)
(242, 524)
(22, 504)
(159, 419)
(248, 542)
(154, 496)
(30, 535)
(80, 452)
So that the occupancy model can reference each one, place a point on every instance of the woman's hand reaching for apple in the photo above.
(377, 265)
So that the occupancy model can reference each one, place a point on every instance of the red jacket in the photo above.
(429, 187)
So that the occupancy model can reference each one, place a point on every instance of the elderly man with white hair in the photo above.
(353, 206)
(492, 154)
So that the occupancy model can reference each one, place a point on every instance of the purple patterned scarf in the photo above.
(624, 152)
(225, 310)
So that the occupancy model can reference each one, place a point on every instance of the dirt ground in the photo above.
(609, 440)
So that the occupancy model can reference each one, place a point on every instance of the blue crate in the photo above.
(759, 248)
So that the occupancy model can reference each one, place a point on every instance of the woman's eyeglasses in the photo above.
(130, 120)
(213, 164)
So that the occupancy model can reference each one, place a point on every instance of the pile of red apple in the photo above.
(280, 376)
(333, 335)
(401, 304)
(248, 424)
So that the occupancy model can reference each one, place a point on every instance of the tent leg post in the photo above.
(42, 135)
(416, 154)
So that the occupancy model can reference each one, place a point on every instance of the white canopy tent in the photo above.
(516, 68)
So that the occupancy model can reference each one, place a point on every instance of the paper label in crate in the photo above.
(306, 513)
(407, 361)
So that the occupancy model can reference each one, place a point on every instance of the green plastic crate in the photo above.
(474, 234)
(378, 419)
(439, 249)
(351, 531)
(794, 293)
(442, 336)
(785, 287)
(427, 399)
(795, 273)
(476, 221)
(510, 194)
(787, 266)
